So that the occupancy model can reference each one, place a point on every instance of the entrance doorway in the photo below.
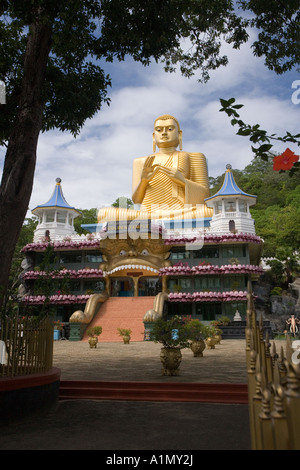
(149, 286)
(122, 287)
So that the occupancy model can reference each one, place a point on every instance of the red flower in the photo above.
(285, 161)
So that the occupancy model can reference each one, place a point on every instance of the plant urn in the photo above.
(170, 359)
(211, 342)
(93, 342)
(218, 338)
(198, 347)
(126, 339)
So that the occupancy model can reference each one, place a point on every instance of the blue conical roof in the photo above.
(229, 187)
(57, 199)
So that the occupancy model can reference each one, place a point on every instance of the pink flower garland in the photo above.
(211, 269)
(229, 296)
(214, 238)
(173, 297)
(64, 244)
(56, 299)
(95, 243)
(80, 274)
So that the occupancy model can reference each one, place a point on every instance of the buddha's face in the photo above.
(166, 133)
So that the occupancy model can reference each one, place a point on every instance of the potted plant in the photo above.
(217, 335)
(125, 333)
(93, 334)
(213, 336)
(196, 333)
(173, 337)
(224, 320)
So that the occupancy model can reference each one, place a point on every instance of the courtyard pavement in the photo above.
(140, 361)
(135, 427)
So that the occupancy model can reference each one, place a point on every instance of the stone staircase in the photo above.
(121, 312)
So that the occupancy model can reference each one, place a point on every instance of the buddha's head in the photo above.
(167, 132)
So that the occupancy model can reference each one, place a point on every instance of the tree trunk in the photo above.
(20, 159)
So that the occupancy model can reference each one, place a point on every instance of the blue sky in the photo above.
(96, 167)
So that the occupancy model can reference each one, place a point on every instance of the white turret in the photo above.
(56, 217)
(231, 205)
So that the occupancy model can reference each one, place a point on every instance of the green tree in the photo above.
(88, 216)
(270, 187)
(26, 236)
(124, 202)
(290, 262)
(278, 26)
(278, 227)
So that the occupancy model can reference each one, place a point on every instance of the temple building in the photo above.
(193, 257)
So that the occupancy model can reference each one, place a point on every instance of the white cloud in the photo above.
(96, 167)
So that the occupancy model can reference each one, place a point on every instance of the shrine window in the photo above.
(93, 257)
(238, 251)
(208, 311)
(70, 257)
(180, 284)
(93, 286)
(207, 252)
(207, 283)
(180, 254)
(50, 217)
(218, 207)
(230, 206)
(242, 206)
(61, 217)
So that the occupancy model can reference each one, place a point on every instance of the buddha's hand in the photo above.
(149, 170)
(174, 174)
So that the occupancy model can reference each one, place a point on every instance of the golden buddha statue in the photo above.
(169, 183)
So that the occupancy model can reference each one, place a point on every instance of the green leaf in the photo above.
(265, 147)
(244, 132)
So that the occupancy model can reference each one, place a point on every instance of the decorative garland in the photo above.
(214, 238)
(95, 242)
(229, 296)
(56, 299)
(185, 269)
(62, 244)
(72, 273)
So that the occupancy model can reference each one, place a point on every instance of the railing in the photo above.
(273, 388)
(26, 346)
(244, 215)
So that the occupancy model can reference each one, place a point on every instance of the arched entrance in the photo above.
(135, 285)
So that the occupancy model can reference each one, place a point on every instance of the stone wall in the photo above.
(277, 308)
(282, 304)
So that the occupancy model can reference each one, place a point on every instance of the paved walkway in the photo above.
(116, 426)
